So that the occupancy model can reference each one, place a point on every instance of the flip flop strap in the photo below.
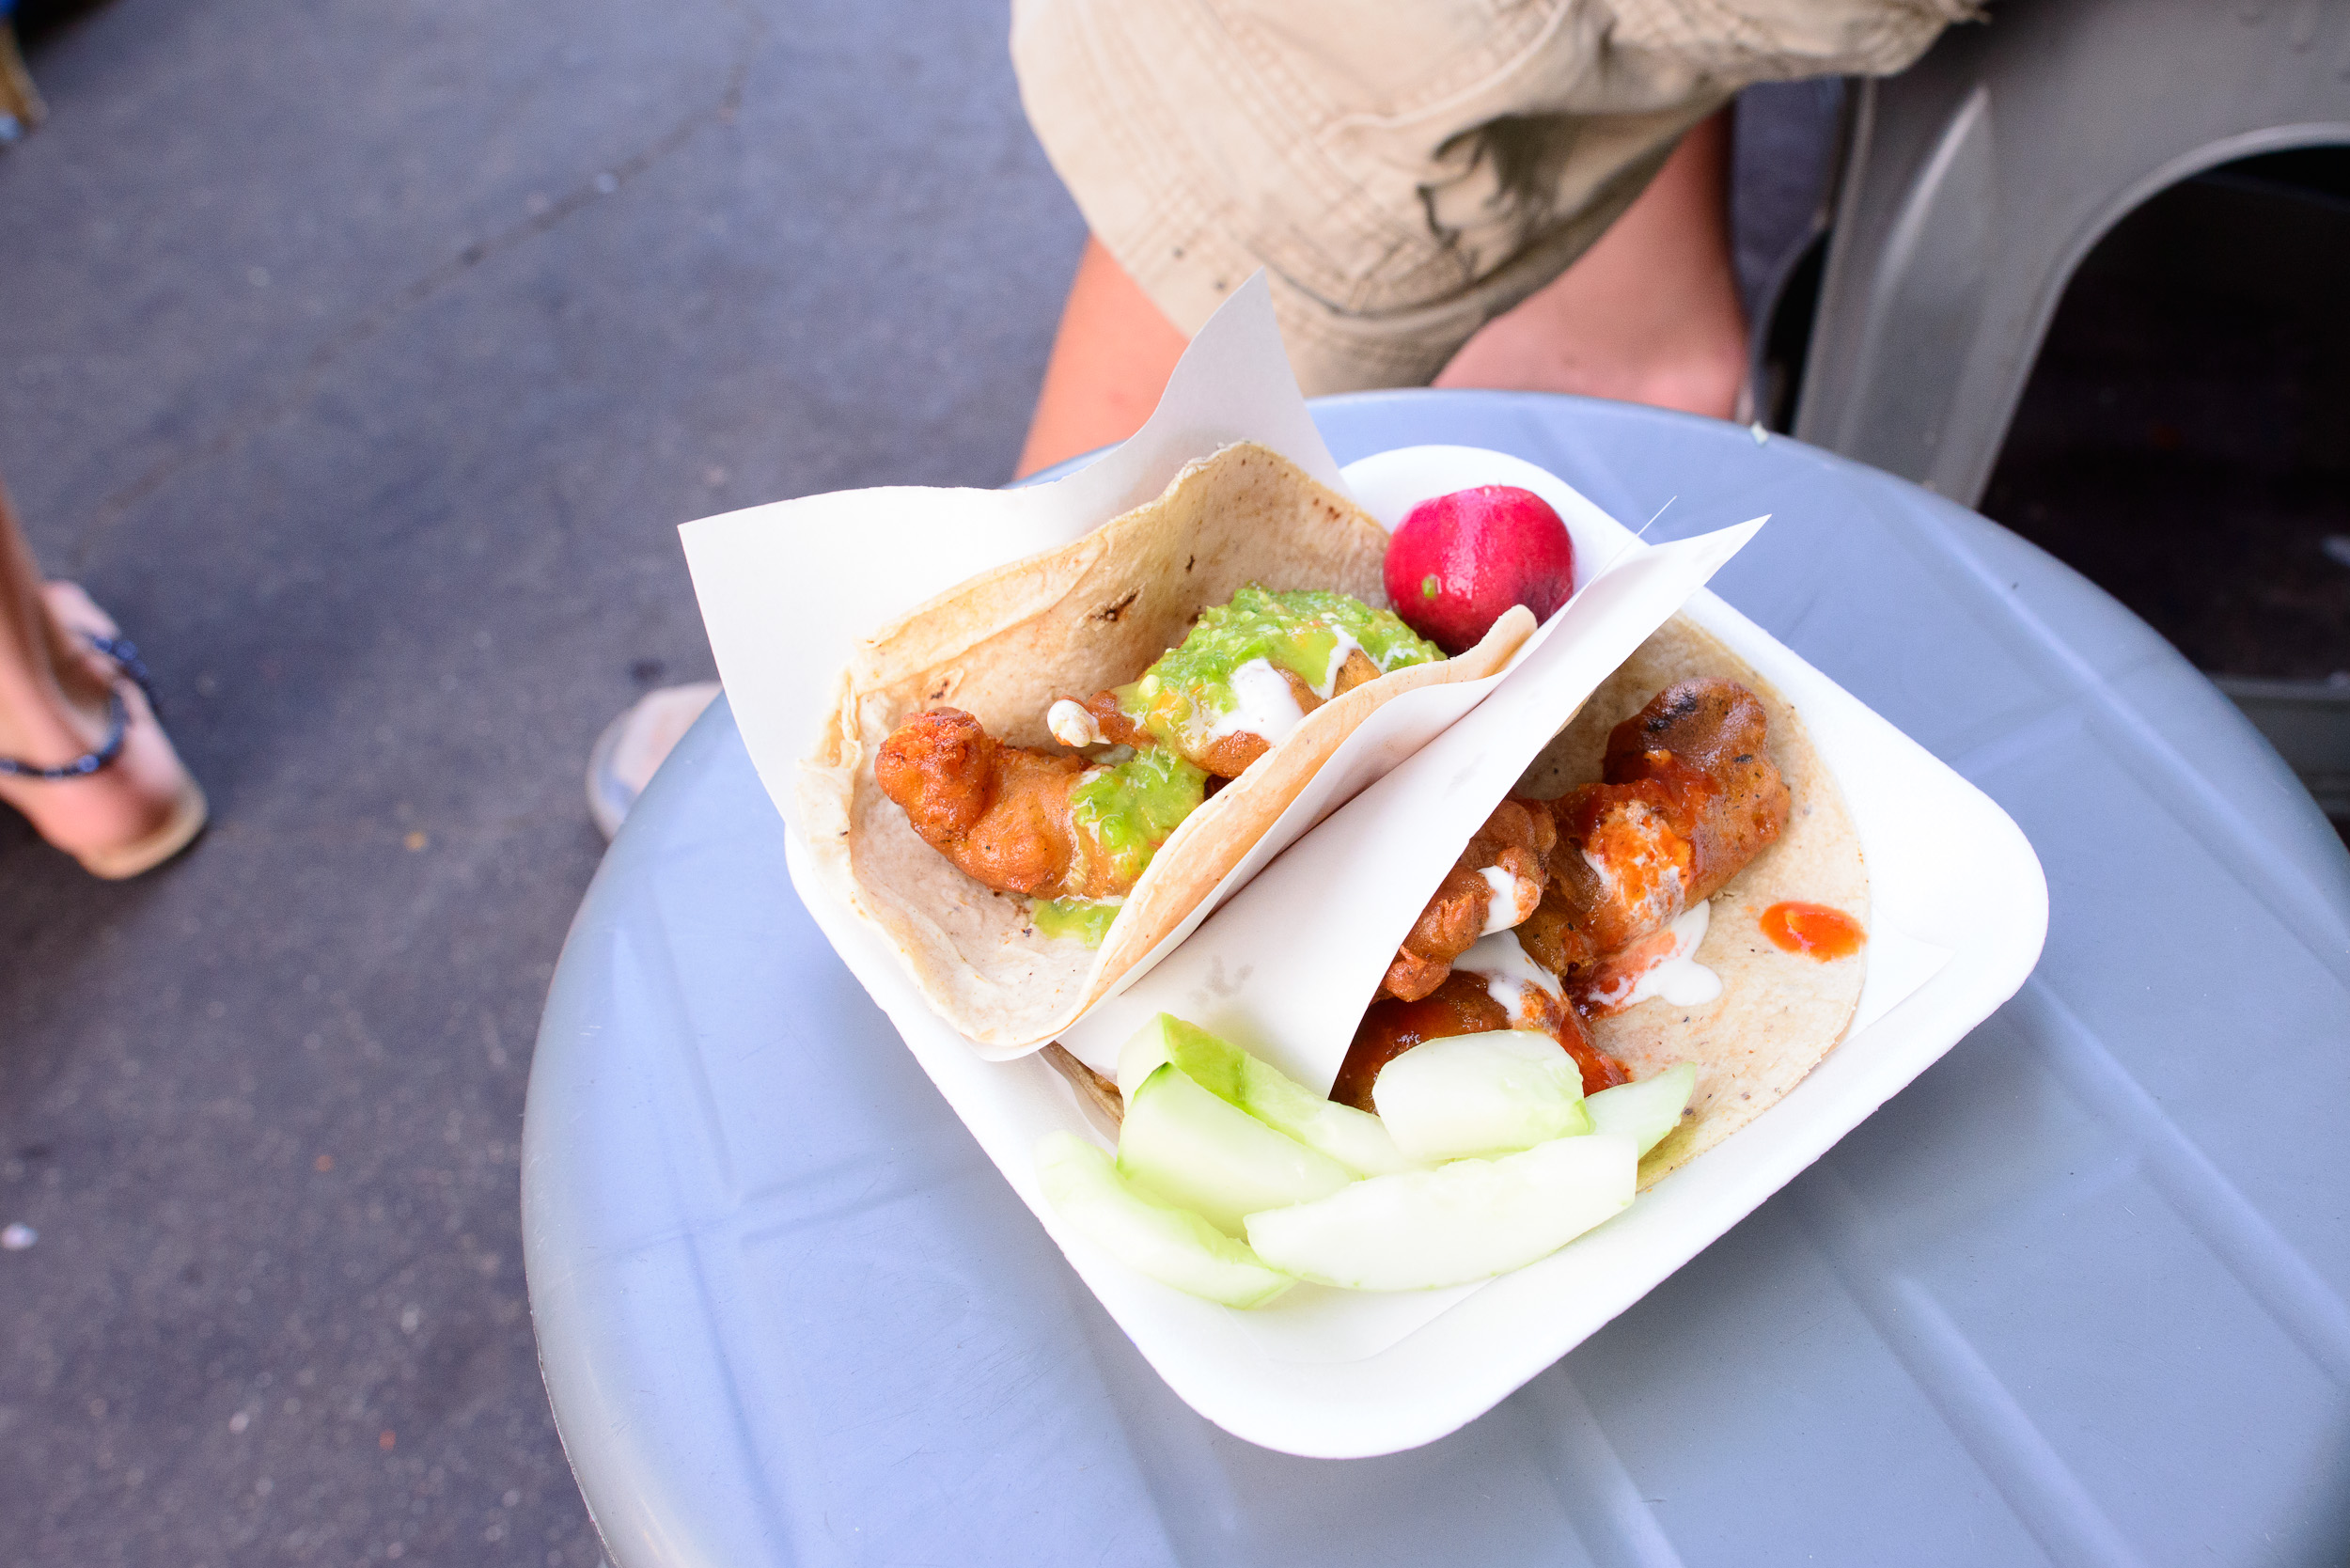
(125, 654)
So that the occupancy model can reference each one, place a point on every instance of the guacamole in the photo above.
(1086, 920)
(1123, 811)
(1306, 632)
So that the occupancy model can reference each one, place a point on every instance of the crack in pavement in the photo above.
(373, 321)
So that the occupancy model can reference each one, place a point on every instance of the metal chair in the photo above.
(1976, 181)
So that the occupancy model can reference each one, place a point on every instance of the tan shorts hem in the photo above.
(1405, 182)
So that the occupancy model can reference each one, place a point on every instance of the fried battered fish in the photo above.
(1497, 884)
(1688, 796)
(999, 812)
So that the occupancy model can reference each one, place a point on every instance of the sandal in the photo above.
(189, 812)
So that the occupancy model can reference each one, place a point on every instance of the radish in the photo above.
(1460, 561)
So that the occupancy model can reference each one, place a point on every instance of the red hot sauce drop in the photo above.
(1813, 930)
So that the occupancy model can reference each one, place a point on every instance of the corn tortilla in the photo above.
(1068, 622)
(1780, 1014)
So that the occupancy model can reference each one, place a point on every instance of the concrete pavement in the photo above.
(363, 359)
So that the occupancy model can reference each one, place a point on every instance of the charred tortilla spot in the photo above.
(1111, 612)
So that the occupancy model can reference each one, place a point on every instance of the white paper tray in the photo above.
(1958, 914)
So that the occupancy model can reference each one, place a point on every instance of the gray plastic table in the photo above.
(2077, 1295)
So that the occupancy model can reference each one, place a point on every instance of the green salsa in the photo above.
(1179, 697)
(1124, 811)
(1086, 920)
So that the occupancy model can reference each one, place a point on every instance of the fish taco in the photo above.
(1704, 900)
(1653, 939)
(1031, 780)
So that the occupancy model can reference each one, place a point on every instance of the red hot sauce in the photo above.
(1813, 930)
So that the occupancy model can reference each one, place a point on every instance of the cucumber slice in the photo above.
(1462, 1221)
(1145, 1049)
(1353, 1138)
(1171, 1245)
(1646, 1111)
(1477, 1095)
(1194, 1150)
(1356, 1140)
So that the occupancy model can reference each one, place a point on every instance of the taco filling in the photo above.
(1687, 797)
(1076, 832)
(1506, 1090)
(1199, 659)
(1557, 911)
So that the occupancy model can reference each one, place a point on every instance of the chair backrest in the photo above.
(1975, 182)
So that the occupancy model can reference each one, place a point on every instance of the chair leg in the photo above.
(20, 101)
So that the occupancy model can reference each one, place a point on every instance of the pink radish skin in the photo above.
(1460, 561)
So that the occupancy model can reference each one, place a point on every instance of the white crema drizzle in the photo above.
(1678, 977)
(1072, 726)
(1511, 902)
(1508, 972)
(1262, 705)
(1329, 682)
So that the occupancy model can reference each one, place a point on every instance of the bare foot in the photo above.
(135, 812)
(1648, 315)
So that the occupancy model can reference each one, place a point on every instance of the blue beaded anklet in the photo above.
(125, 654)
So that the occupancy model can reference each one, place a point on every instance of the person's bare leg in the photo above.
(54, 707)
(1649, 315)
(1110, 362)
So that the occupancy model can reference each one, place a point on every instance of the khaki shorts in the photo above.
(1404, 170)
